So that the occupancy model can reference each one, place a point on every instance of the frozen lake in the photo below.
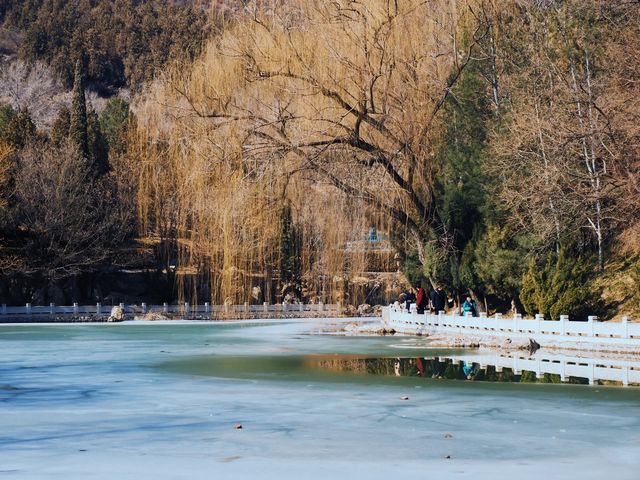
(161, 400)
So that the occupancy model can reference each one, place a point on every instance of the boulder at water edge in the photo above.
(365, 309)
(117, 314)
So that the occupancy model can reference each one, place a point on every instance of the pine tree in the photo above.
(78, 120)
(113, 123)
(21, 129)
(60, 128)
(291, 240)
(6, 114)
(560, 287)
(97, 144)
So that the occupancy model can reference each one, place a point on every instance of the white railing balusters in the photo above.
(206, 309)
(564, 329)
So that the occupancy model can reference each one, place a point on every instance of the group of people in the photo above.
(436, 301)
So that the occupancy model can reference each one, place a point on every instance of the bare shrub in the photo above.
(65, 221)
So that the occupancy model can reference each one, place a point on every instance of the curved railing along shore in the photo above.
(185, 310)
(538, 328)
(623, 370)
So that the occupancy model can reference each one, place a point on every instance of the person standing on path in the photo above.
(421, 299)
(438, 299)
(409, 298)
(469, 306)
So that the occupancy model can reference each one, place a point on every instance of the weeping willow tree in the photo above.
(330, 107)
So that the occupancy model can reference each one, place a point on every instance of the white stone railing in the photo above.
(183, 308)
(537, 328)
(611, 369)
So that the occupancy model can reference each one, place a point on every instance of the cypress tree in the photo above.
(78, 123)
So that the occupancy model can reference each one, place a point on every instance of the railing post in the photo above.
(165, 307)
(539, 318)
(144, 307)
(52, 308)
(28, 308)
(284, 307)
(321, 307)
(440, 315)
(563, 324)
(516, 318)
(265, 307)
(186, 308)
(498, 317)
(207, 307)
(591, 319)
(98, 308)
(625, 322)
(301, 307)
(75, 308)
(121, 305)
(246, 306)
(339, 304)
(483, 323)
(4, 308)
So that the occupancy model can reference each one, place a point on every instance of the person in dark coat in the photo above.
(421, 299)
(409, 298)
(438, 299)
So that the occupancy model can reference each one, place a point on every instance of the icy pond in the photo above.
(164, 400)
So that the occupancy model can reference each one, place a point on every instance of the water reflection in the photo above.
(428, 367)
(491, 368)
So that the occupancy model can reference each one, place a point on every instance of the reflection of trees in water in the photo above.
(434, 366)
(374, 366)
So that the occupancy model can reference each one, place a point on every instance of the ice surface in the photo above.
(160, 400)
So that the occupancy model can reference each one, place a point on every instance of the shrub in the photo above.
(560, 287)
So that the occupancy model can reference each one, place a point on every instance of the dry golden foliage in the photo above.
(6, 167)
(568, 152)
(328, 105)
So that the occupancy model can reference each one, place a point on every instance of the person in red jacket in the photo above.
(421, 299)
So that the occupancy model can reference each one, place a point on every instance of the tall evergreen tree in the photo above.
(6, 114)
(21, 129)
(291, 243)
(78, 121)
(60, 128)
(114, 121)
(97, 144)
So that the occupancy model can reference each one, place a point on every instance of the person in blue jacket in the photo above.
(469, 305)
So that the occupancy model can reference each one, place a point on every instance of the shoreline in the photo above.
(499, 344)
(159, 318)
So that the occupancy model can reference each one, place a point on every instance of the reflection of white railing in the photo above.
(616, 370)
(183, 308)
(538, 328)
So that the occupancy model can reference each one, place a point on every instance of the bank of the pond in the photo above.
(71, 318)
(504, 343)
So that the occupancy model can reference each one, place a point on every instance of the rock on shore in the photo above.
(117, 314)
